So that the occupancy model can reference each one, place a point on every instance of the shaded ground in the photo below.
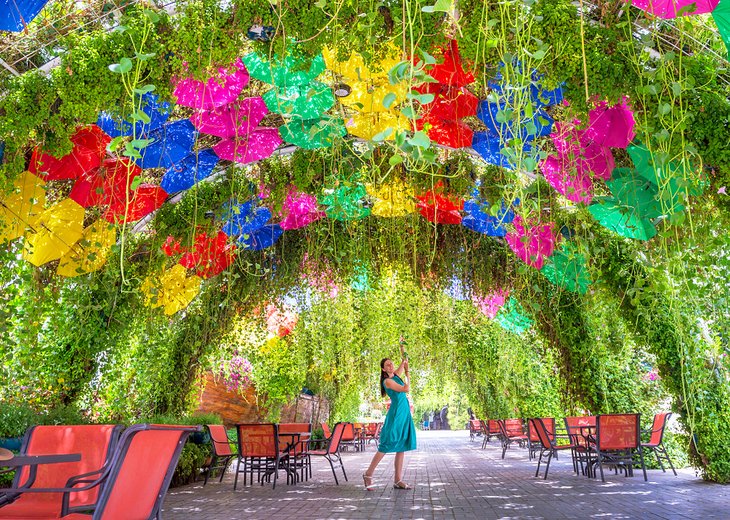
(455, 478)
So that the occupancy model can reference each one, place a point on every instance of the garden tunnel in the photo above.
(531, 193)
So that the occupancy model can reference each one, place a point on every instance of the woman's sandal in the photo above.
(368, 481)
(401, 485)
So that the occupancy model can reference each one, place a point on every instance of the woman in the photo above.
(398, 434)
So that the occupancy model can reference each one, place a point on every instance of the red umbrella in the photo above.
(100, 186)
(454, 134)
(256, 146)
(88, 151)
(142, 201)
(439, 208)
(209, 256)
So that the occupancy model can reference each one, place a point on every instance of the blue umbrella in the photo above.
(157, 112)
(16, 14)
(478, 219)
(242, 219)
(172, 143)
(487, 112)
(490, 147)
(261, 238)
(194, 168)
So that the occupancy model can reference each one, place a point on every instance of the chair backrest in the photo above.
(513, 427)
(575, 426)
(533, 431)
(258, 440)
(95, 443)
(484, 428)
(141, 470)
(657, 428)
(618, 431)
(219, 438)
(326, 430)
(305, 429)
(474, 425)
(349, 433)
(494, 428)
(540, 427)
(371, 429)
(336, 438)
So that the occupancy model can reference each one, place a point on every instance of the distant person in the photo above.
(445, 418)
(398, 434)
(472, 416)
(436, 420)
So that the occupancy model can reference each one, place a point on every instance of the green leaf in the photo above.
(124, 66)
(116, 143)
(395, 160)
(441, 6)
(141, 143)
(409, 112)
(145, 57)
(424, 99)
(389, 99)
(321, 4)
(140, 115)
(665, 108)
(420, 139)
(135, 183)
(382, 136)
(144, 89)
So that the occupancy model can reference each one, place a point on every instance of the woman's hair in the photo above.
(383, 376)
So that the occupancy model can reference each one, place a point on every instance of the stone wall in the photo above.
(236, 407)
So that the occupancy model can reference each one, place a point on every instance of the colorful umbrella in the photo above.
(91, 252)
(141, 202)
(394, 199)
(313, 133)
(16, 14)
(309, 101)
(89, 149)
(173, 290)
(299, 210)
(219, 90)
(188, 172)
(234, 120)
(611, 126)
(671, 8)
(346, 202)
(209, 256)
(490, 304)
(534, 244)
(20, 205)
(439, 208)
(721, 15)
(490, 146)
(480, 220)
(574, 184)
(540, 124)
(634, 191)
(171, 144)
(244, 218)
(158, 113)
(109, 182)
(261, 238)
(368, 125)
(623, 220)
(512, 318)
(56, 230)
(567, 268)
(256, 146)
(294, 69)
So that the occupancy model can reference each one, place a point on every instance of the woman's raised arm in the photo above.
(389, 383)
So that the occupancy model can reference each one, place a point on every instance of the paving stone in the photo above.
(455, 479)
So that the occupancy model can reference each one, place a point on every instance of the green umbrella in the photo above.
(624, 220)
(312, 133)
(512, 317)
(721, 14)
(567, 268)
(301, 101)
(288, 72)
(346, 202)
(634, 191)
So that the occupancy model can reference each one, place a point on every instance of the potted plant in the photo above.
(14, 421)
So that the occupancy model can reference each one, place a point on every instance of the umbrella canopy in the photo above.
(451, 71)
(299, 210)
(572, 183)
(540, 124)
(20, 205)
(261, 238)
(90, 253)
(142, 201)
(308, 101)
(292, 70)
(16, 14)
(110, 182)
(368, 125)
(721, 15)
(532, 244)
(172, 143)
(512, 318)
(346, 202)
(611, 126)
(158, 112)
(244, 218)
(567, 268)
(173, 290)
(490, 304)
(220, 89)
(394, 199)
(454, 134)
(234, 120)
(439, 208)
(491, 147)
(624, 220)
(56, 230)
(191, 170)
(313, 133)
(255, 146)
(480, 220)
(89, 149)
(671, 8)
(634, 191)
(210, 255)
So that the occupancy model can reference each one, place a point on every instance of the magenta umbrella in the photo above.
(299, 210)
(219, 90)
(574, 184)
(234, 120)
(671, 8)
(611, 126)
(255, 146)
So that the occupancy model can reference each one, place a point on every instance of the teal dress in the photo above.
(398, 432)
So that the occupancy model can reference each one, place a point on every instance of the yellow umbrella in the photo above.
(56, 230)
(173, 290)
(368, 125)
(91, 252)
(18, 207)
(394, 199)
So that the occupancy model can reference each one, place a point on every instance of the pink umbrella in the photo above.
(671, 8)
(256, 146)
(532, 245)
(234, 120)
(574, 184)
(611, 126)
(490, 304)
(299, 210)
(217, 91)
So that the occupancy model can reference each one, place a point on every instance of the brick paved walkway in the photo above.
(455, 479)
